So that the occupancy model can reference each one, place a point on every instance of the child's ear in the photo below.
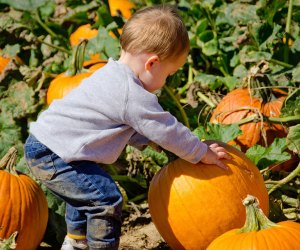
(151, 61)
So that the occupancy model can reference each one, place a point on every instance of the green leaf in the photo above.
(48, 9)
(10, 133)
(292, 105)
(293, 138)
(220, 132)
(210, 48)
(206, 36)
(159, 158)
(269, 9)
(103, 43)
(201, 26)
(256, 153)
(24, 4)
(296, 45)
(19, 100)
(240, 71)
(296, 73)
(242, 13)
(250, 54)
(104, 17)
(11, 50)
(265, 156)
(211, 81)
(231, 82)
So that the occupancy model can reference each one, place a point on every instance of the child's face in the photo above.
(157, 72)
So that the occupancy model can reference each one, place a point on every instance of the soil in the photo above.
(138, 231)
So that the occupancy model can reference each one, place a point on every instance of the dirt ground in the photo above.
(139, 232)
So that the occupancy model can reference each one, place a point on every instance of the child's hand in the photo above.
(214, 154)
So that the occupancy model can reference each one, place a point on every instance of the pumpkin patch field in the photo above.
(240, 87)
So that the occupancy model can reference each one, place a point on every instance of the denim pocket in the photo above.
(39, 160)
(43, 168)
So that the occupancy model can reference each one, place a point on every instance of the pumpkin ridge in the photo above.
(290, 232)
(160, 222)
(172, 171)
(192, 218)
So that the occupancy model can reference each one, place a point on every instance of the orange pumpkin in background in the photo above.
(67, 81)
(122, 7)
(192, 204)
(23, 205)
(259, 232)
(4, 61)
(240, 104)
(63, 84)
(82, 32)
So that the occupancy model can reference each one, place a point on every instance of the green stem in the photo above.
(190, 80)
(40, 22)
(54, 46)
(287, 179)
(283, 64)
(287, 32)
(254, 117)
(289, 17)
(206, 99)
(181, 110)
(287, 119)
(255, 218)
(77, 58)
(9, 243)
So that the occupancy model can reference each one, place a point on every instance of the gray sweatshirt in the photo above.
(105, 112)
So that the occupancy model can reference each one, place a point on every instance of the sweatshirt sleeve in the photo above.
(147, 117)
(138, 141)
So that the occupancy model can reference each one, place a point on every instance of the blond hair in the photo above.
(157, 29)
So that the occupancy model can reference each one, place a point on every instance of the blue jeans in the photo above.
(93, 200)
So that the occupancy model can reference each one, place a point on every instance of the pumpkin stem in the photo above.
(9, 243)
(8, 161)
(77, 58)
(259, 83)
(255, 218)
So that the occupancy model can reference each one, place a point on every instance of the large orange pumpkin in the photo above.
(240, 104)
(259, 232)
(23, 206)
(192, 204)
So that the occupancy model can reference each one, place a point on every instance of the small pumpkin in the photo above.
(189, 204)
(23, 205)
(122, 7)
(4, 61)
(259, 232)
(62, 84)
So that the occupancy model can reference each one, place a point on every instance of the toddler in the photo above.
(113, 107)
